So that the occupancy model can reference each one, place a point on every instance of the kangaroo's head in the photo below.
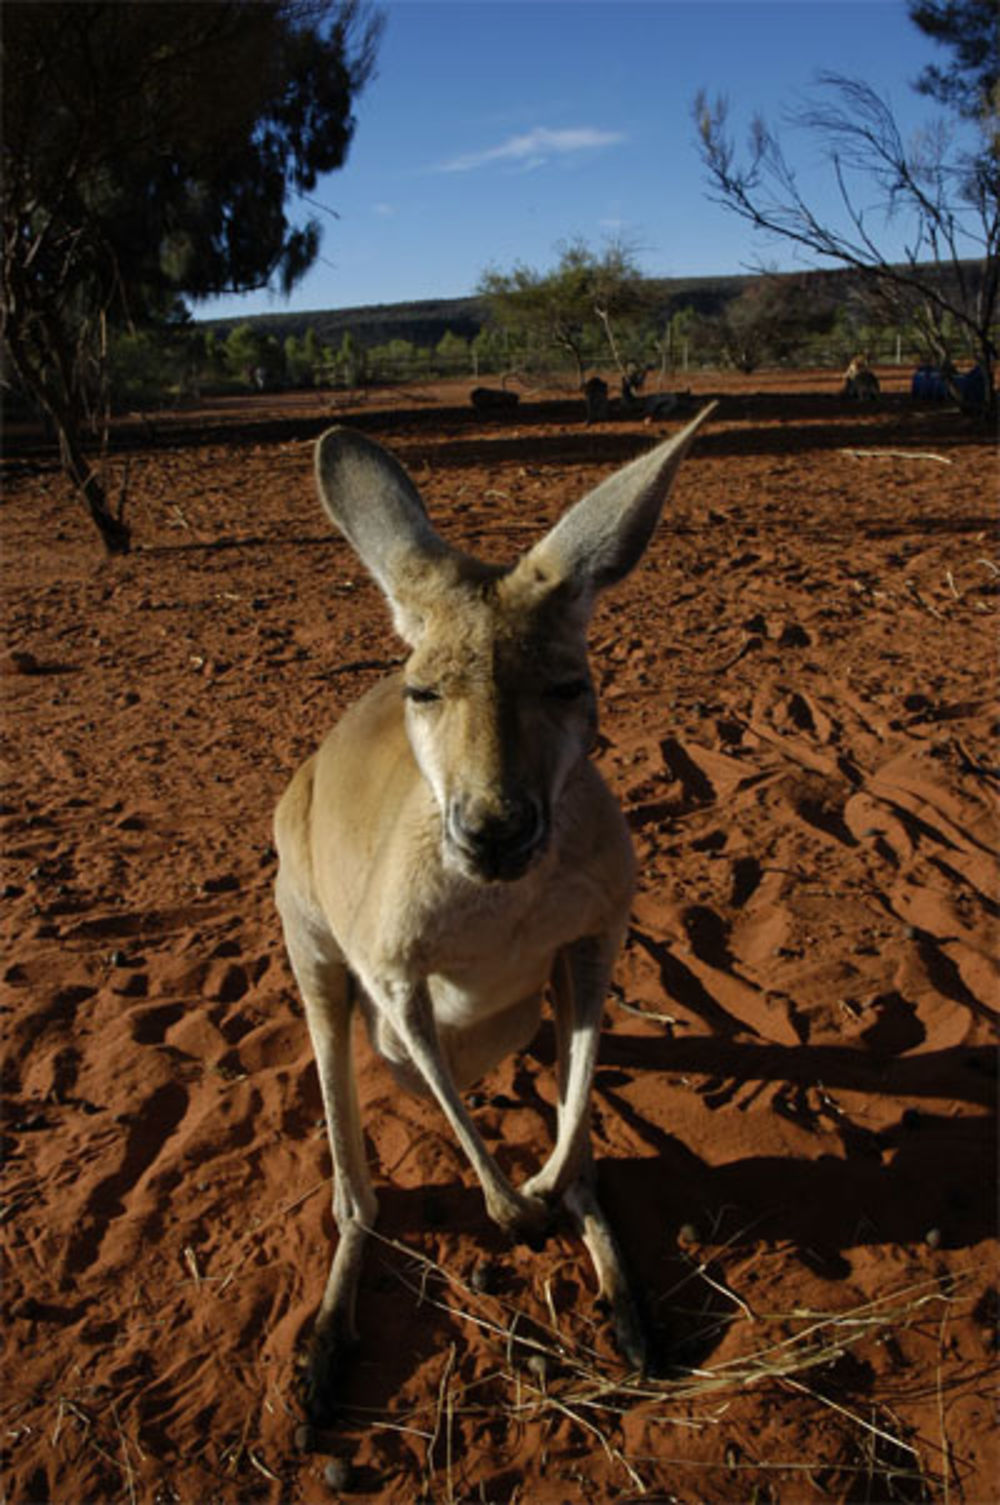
(498, 698)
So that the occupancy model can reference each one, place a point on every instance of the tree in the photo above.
(214, 350)
(244, 351)
(317, 356)
(617, 291)
(943, 194)
(772, 318)
(149, 155)
(584, 297)
(971, 28)
(489, 350)
(348, 364)
(141, 366)
(298, 367)
(532, 309)
(451, 353)
(394, 361)
(673, 341)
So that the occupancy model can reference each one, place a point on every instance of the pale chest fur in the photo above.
(482, 947)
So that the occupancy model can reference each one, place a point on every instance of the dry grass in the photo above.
(542, 1375)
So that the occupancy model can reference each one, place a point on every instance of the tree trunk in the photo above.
(605, 318)
(115, 533)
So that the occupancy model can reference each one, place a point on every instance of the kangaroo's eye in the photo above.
(567, 689)
(420, 694)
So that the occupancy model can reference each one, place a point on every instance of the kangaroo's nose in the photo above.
(497, 840)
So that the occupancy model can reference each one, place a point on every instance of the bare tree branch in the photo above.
(942, 197)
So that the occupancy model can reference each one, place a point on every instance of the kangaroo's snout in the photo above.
(497, 841)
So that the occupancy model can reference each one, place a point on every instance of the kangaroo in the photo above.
(860, 381)
(490, 402)
(595, 395)
(450, 854)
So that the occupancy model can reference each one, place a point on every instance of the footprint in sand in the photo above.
(156, 1120)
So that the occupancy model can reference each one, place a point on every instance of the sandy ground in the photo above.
(794, 1107)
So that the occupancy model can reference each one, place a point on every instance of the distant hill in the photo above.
(424, 323)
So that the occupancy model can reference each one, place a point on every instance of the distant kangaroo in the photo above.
(489, 401)
(860, 381)
(595, 395)
(450, 853)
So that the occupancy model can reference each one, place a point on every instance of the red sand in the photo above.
(794, 1106)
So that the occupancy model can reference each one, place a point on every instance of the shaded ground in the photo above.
(794, 1109)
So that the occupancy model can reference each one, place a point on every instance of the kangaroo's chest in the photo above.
(482, 956)
(485, 967)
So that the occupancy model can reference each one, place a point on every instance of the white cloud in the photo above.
(535, 148)
(384, 211)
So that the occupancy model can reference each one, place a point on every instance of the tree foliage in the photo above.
(771, 320)
(943, 195)
(971, 28)
(584, 296)
(149, 154)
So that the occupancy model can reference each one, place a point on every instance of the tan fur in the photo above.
(860, 381)
(451, 849)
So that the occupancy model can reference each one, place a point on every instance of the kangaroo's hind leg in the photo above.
(578, 988)
(327, 990)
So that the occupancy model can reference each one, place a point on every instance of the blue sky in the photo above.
(496, 129)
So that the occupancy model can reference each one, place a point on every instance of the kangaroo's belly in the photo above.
(471, 1043)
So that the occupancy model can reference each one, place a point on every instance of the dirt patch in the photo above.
(794, 1108)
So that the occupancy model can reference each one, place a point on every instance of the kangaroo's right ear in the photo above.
(599, 540)
(371, 499)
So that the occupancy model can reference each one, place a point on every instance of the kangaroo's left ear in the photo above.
(367, 493)
(599, 540)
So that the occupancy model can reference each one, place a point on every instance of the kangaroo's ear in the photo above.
(599, 540)
(371, 499)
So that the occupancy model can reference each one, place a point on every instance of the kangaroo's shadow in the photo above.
(412, 1308)
(925, 1171)
(679, 1219)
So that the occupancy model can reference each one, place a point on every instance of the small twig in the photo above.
(77, 1411)
(59, 1421)
(279, 1212)
(262, 1468)
(945, 1449)
(896, 454)
(868, 1426)
(88, 1423)
(550, 1304)
(395, 1426)
(129, 1471)
(232, 1455)
(724, 1290)
(631, 1008)
(430, 1267)
(439, 1414)
(613, 1453)
(911, 587)
(191, 1260)
(449, 1411)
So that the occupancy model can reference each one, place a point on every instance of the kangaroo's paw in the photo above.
(323, 1368)
(519, 1215)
